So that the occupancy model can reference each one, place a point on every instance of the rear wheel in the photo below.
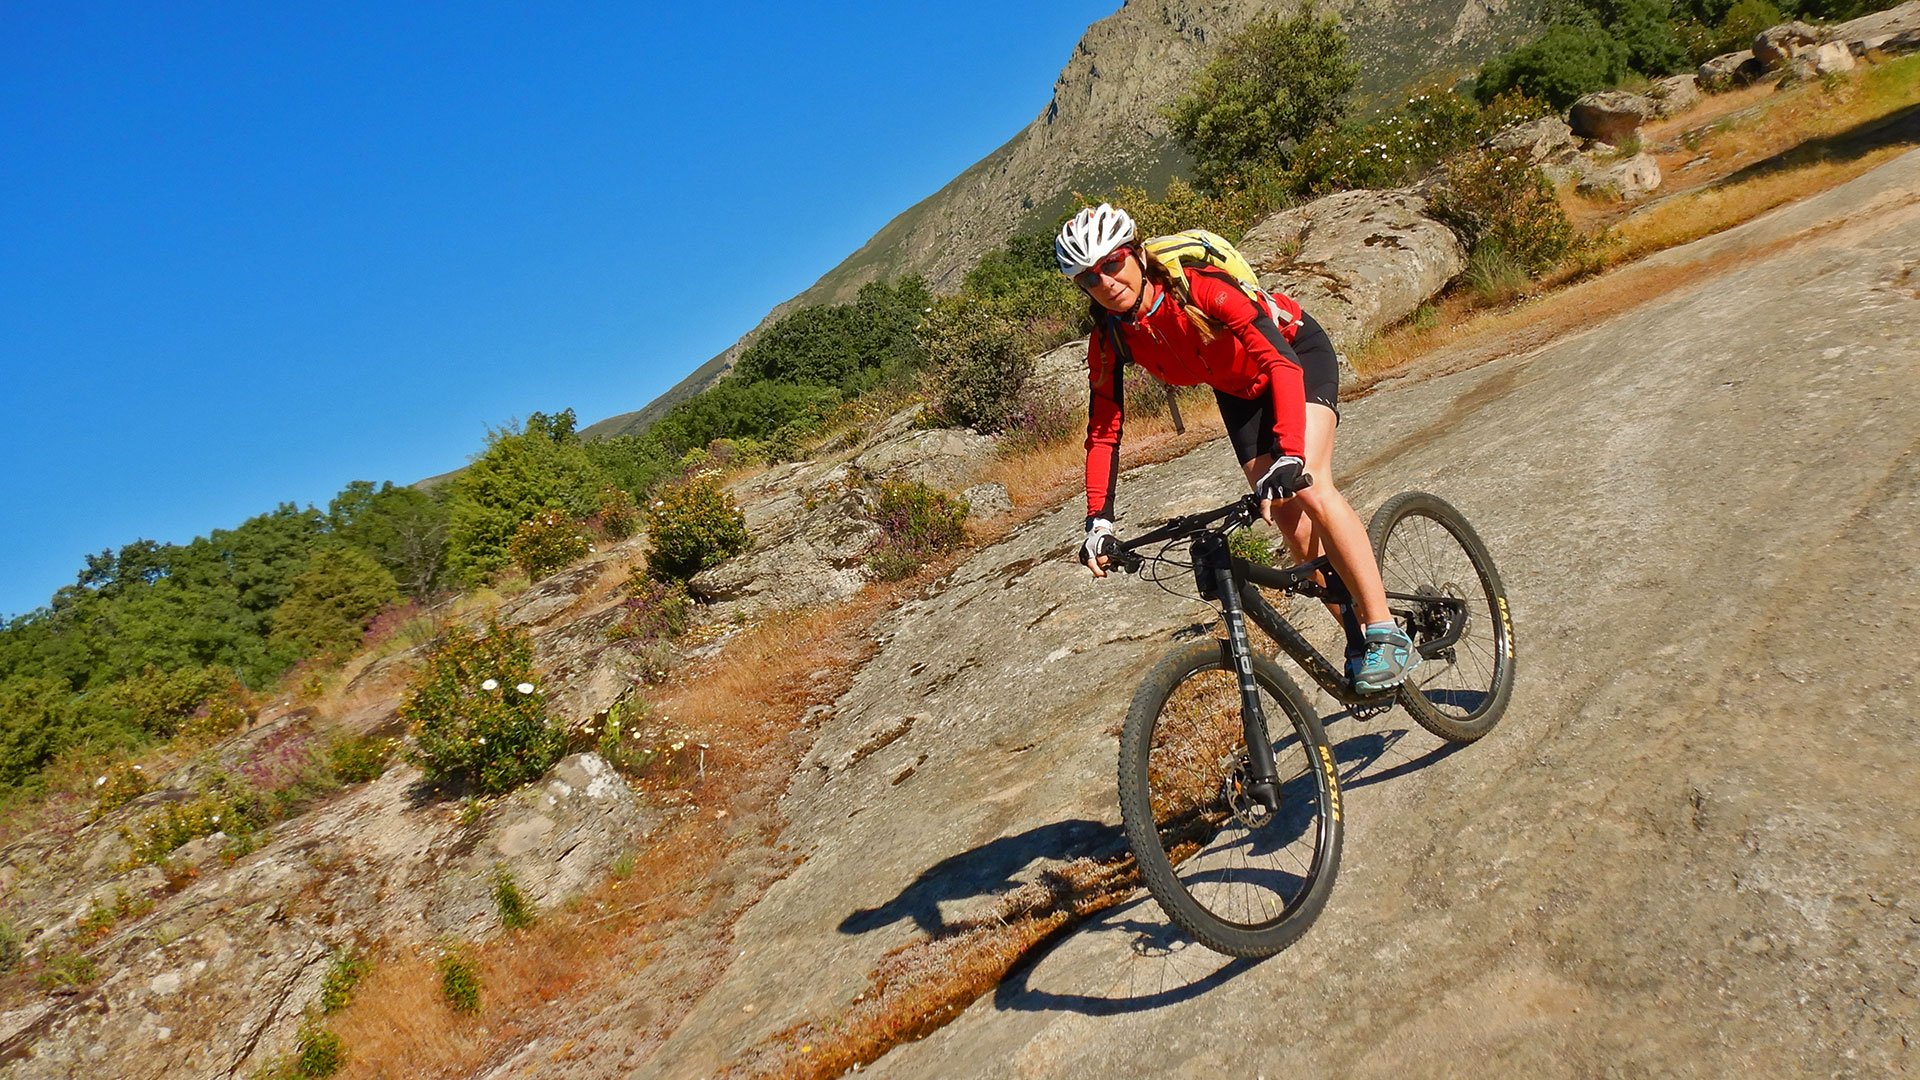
(1241, 879)
(1427, 553)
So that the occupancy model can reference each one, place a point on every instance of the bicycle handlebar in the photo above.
(1246, 509)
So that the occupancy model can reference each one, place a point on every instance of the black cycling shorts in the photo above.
(1250, 422)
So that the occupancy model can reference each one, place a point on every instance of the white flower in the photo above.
(100, 781)
(525, 688)
(216, 819)
(482, 740)
(139, 768)
(678, 745)
(490, 684)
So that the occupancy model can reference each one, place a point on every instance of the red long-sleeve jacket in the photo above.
(1252, 356)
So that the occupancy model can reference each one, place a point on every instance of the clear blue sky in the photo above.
(250, 252)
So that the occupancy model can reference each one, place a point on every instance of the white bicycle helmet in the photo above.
(1089, 236)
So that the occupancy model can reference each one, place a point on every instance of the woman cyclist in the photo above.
(1273, 371)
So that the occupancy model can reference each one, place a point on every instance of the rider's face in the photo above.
(1114, 284)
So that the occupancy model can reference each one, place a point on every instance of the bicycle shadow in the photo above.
(1132, 944)
(1153, 963)
(987, 869)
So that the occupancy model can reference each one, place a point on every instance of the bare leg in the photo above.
(1320, 518)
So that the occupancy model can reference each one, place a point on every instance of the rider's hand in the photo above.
(1282, 479)
(1096, 552)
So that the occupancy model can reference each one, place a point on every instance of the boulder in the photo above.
(1723, 71)
(1627, 178)
(1776, 45)
(1674, 94)
(1833, 56)
(1610, 115)
(1358, 261)
(1543, 139)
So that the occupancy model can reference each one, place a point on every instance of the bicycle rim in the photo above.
(1426, 548)
(1240, 880)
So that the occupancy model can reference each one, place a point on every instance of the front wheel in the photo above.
(1442, 586)
(1240, 878)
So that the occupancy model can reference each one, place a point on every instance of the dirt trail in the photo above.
(1687, 850)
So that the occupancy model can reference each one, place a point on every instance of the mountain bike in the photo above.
(1228, 788)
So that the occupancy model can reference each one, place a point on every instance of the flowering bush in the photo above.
(1038, 418)
(1496, 199)
(477, 715)
(1398, 148)
(618, 515)
(655, 612)
(547, 541)
(917, 525)
(692, 526)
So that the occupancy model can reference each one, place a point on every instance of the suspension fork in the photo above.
(1211, 558)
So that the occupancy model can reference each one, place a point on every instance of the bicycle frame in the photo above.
(1233, 583)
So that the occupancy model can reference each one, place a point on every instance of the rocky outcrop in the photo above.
(1674, 94)
(1610, 116)
(1723, 72)
(211, 982)
(1776, 45)
(1358, 261)
(1545, 138)
(1830, 58)
(1621, 178)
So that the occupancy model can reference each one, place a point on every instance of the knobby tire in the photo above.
(1242, 889)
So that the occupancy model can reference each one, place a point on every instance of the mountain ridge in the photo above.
(1103, 127)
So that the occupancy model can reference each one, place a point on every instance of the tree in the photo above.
(331, 602)
(403, 528)
(1557, 67)
(1272, 85)
(521, 473)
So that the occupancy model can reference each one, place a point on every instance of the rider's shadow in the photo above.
(987, 869)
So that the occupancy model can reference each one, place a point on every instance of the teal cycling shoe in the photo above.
(1388, 660)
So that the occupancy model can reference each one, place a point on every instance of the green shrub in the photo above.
(459, 983)
(692, 526)
(1038, 418)
(1271, 85)
(1744, 20)
(224, 807)
(327, 612)
(516, 911)
(118, 786)
(546, 542)
(1556, 67)
(345, 969)
(618, 516)
(65, 970)
(476, 713)
(357, 759)
(1489, 198)
(317, 1051)
(917, 525)
(979, 362)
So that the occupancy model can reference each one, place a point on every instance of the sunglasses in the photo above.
(1111, 267)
